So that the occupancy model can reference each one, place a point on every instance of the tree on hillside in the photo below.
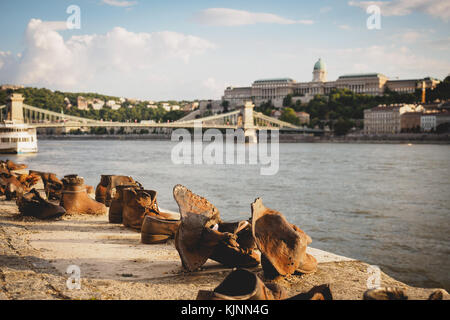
(288, 115)
(342, 126)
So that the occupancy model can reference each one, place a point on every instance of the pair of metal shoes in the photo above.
(202, 235)
(267, 238)
(242, 284)
(52, 185)
(11, 185)
(138, 209)
(12, 166)
(137, 205)
(34, 205)
(105, 190)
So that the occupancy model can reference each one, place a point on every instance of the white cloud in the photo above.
(214, 87)
(436, 8)
(231, 17)
(117, 3)
(88, 61)
(391, 61)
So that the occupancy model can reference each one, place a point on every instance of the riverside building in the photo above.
(277, 89)
(392, 119)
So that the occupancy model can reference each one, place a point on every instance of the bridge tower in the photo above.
(14, 107)
(248, 123)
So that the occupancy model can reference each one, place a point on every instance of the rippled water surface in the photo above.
(385, 204)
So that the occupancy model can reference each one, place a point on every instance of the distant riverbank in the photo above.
(418, 138)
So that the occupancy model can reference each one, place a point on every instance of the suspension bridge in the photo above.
(245, 118)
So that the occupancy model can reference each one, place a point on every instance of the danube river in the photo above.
(385, 204)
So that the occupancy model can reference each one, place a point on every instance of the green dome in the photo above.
(320, 65)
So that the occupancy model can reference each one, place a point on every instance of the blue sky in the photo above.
(194, 49)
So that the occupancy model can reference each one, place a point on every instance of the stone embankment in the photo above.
(114, 264)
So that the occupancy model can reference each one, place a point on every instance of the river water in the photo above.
(385, 204)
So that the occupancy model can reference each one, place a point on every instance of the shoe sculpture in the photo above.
(104, 192)
(389, 293)
(32, 204)
(4, 168)
(15, 166)
(242, 284)
(76, 200)
(116, 208)
(238, 250)
(385, 294)
(52, 185)
(282, 245)
(321, 292)
(10, 186)
(158, 229)
(199, 236)
(137, 203)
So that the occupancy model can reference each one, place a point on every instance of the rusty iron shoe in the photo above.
(15, 166)
(242, 284)
(52, 185)
(321, 292)
(76, 200)
(158, 230)
(385, 293)
(136, 204)
(32, 204)
(116, 208)
(237, 249)
(10, 186)
(200, 236)
(104, 192)
(197, 214)
(282, 245)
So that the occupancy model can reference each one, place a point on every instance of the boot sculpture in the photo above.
(282, 245)
(10, 186)
(115, 210)
(159, 226)
(242, 284)
(4, 168)
(105, 190)
(199, 236)
(321, 292)
(137, 203)
(52, 185)
(389, 293)
(15, 166)
(76, 200)
(240, 249)
(32, 204)
(158, 229)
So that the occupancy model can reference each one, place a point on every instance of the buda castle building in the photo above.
(277, 89)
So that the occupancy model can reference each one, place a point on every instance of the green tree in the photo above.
(342, 127)
(289, 115)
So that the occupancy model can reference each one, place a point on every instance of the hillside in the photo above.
(55, 101)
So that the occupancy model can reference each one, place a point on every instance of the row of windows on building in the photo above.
(13, 130)
(13, 140)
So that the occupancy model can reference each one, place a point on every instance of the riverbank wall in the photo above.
(416, 138)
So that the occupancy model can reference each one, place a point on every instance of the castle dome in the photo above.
(320, 65)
